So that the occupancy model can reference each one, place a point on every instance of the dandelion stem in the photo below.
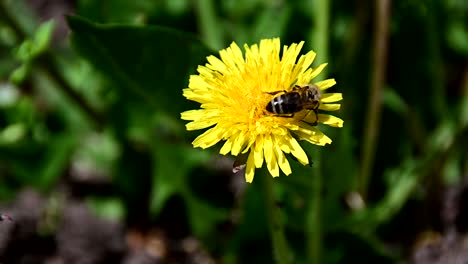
(281, 251)
(319, 35)
(319, 39)
(314, 214)
(374, 105)
(209, 26)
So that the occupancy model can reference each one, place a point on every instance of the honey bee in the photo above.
(306, 97)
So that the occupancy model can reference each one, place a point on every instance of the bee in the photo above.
(306, 97)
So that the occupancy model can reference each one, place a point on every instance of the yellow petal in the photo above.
(251, 141)
(270, 157)
(192, 114)
(258, 151)
(208, 139)
(330, 107)
(202, 118)
(297, 151)
(229, 60)
(331, 97)
(205, 71)
(250, 168)
(325, 84)
(306, 128)
(237, 52)
(216, 64)
(282, 161)
(239, 142)
(201, 124)
(318, 70)
(330, 120)
(283, 143)
(299, 72)
(315, 137)
(307, 60)
(226, 147)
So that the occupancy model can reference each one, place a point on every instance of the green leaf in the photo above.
(18, 76)
(122, 11)
(42, 37)
(107, 207)
(173, 164)
(24, 51)
(203, 216)
(12, 133)
(457, 36)
(149, 64)
(30, 49)
(40, 165)
(394, 101)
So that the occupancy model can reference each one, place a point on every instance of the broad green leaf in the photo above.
(172, 165)
(150, 64)
(122, 11)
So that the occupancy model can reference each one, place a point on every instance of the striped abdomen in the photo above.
(288, 103)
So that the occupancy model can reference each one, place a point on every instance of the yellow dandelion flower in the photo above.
(234, 91)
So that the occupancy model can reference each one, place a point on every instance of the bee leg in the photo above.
(285, 115)
(276, 92)
(296, 87)
(315, 123)
(316, 117)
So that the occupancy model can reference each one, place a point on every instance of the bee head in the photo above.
(313, 93)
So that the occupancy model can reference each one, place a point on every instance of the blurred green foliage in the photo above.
(106, 101)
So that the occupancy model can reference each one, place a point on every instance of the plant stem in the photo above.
(374, 105)
(319, 39)
(314, 214)
(436, 67)
(319, 35)
(209, 26)
(281, 251)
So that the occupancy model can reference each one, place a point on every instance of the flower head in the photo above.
(234, 91)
